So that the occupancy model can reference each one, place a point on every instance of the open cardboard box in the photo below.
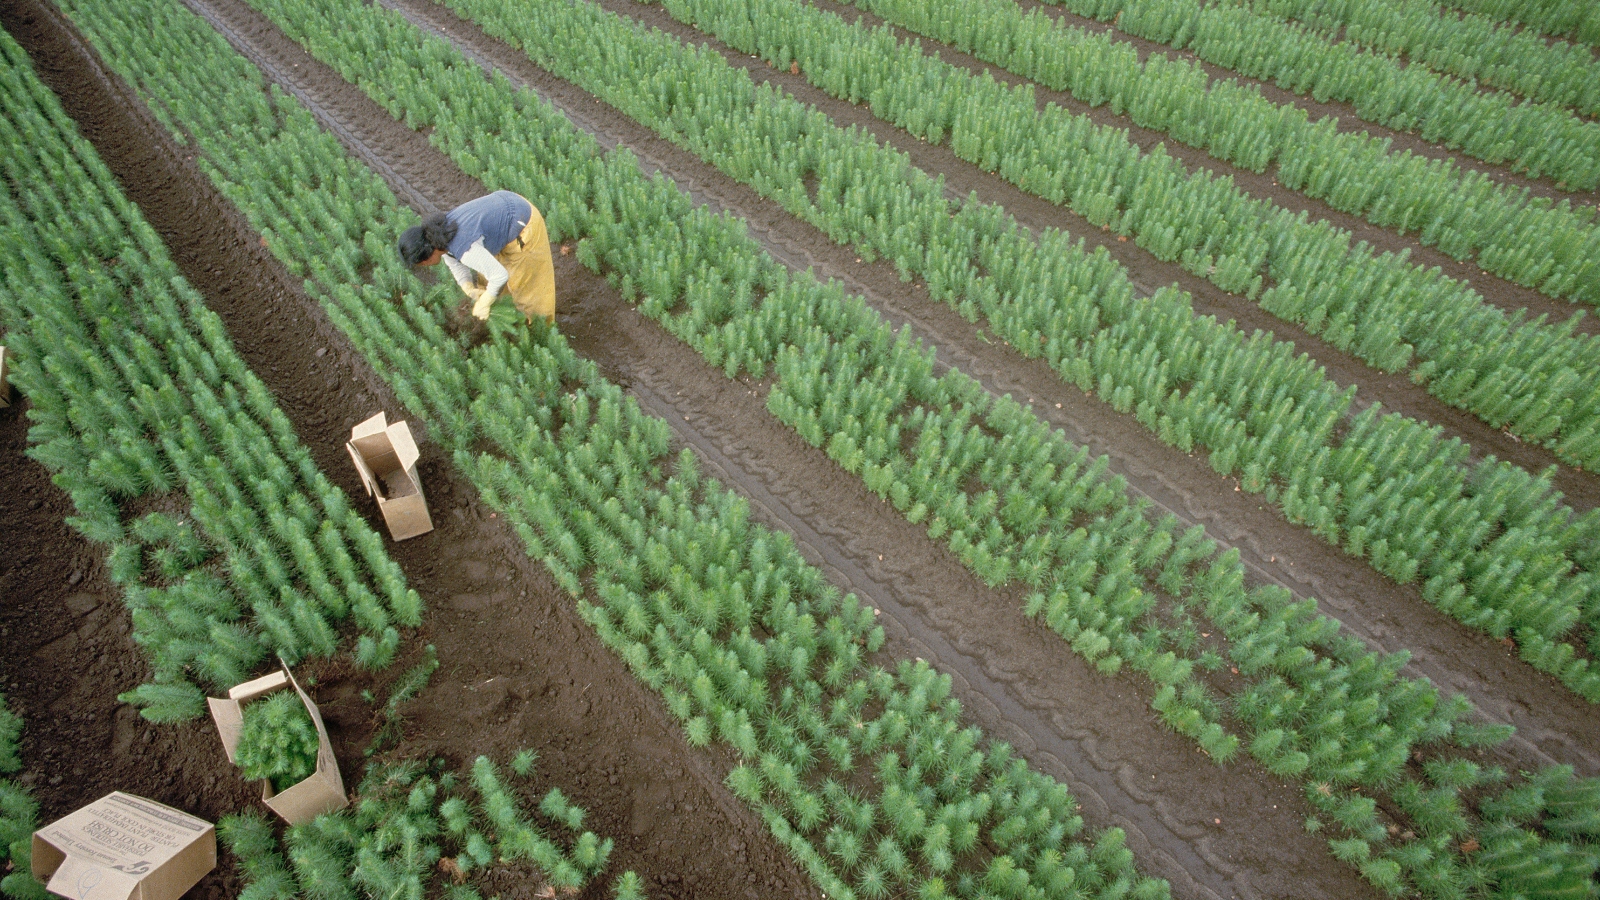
(386, 457)
(321, 791)
(123, 847)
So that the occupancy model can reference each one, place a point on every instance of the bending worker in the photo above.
(499, 238)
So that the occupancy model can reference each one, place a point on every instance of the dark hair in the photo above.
(418, 242)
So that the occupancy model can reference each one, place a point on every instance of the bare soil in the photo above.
(521, 669)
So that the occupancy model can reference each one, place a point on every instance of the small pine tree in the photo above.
(175, 702)
(277, 741)
(628, 886)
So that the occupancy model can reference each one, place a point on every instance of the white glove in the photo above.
(480, 308)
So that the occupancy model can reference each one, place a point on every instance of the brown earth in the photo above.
(520, 669)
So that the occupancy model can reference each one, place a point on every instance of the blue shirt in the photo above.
(496, 218)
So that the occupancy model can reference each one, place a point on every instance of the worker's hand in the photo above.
(473, 292)
(480, 309)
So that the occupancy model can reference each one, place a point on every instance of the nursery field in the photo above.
(1080, 448)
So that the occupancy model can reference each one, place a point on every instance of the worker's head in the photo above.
(422, 245)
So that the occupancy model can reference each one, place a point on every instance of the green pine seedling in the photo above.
(10, 738)
(628, 886)
(163, 703)
(558, 807)
(277, 741)
(522, 762)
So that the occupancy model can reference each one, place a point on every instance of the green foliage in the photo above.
(277, 740)
(141, 395)
(18, 817)
(522, 762)
(390, 842)
(680, 581)
(628, 886)
(176, 702)
(404, 688)
(10, 738)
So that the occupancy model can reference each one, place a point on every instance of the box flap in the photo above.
(83, 879)
(367, 479)
(378, 424)
(254, 688)
(371, 437)
(368, 441)
(404, 447)
(123, 846)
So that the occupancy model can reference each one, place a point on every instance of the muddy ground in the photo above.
(520, 669)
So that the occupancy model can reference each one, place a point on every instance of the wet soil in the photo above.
(520, 669)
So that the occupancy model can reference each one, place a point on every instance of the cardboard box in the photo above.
(121, 847)
(386, 457)
(321, 791)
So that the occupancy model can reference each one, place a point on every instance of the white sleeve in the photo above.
(459, 272)
(482, 261)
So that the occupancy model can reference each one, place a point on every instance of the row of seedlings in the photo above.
(392, 841)
(1466, 214)
(1539, 139)
(416, 831)
(1474, 46)
(639, 228)
(1491, 543)
(241, 550)
(774, 655)
(1571, 21)
(1533, 378)
(19, 816)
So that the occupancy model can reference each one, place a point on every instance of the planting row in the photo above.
(731, 613)
(1538, 380)
(179, 589)
(1531, 137)
(1468, 215)
(417, 832)
(1491, 543)
(18, 811)
(242, 549)
(1472, 46)
(635, 230)
(1574, 20)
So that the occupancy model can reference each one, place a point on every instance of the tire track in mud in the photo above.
(1041, 722)
(1553, 725)
(976, 668)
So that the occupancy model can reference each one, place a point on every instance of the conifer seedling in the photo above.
(277, 741)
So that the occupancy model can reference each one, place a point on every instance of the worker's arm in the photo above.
(463, 276)
(483, 262)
